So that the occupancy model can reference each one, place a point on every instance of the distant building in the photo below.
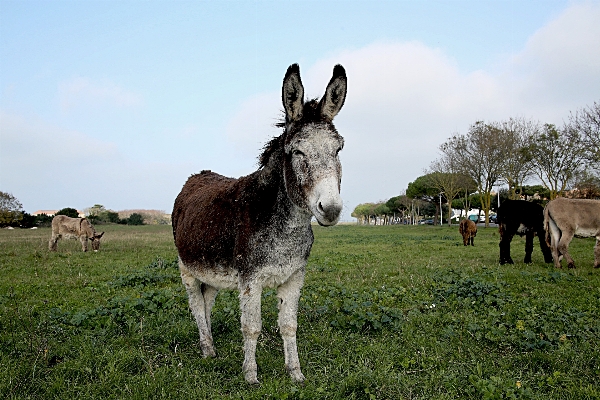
(52, 213)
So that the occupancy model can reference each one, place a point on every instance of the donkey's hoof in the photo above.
(208, 352)
(297, 376)
(571, 265)
(251, 378)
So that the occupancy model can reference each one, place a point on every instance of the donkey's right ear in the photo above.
(292, 94)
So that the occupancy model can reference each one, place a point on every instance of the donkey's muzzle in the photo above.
(326, 202)
(329, 213)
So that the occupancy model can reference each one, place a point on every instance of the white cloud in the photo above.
(47, 167)
(559, 65)
(82, 90)
(405, 99)
(254, 124)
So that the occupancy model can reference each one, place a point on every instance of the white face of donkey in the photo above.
(312, 169)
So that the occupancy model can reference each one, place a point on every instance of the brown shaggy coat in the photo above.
(255, 232)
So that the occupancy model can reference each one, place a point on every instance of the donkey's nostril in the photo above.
(320, 206)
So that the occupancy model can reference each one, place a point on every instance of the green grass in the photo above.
(396, 312)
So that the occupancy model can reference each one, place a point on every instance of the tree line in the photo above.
(12, 214)
(564, 159)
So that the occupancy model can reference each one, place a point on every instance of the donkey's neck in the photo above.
(285, 213)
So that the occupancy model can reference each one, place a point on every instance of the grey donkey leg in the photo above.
(198, 307)
(251, 327)
(289, 294)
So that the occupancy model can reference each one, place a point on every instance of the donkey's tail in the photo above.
(547, 225)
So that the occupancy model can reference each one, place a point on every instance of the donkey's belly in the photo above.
(220, 277)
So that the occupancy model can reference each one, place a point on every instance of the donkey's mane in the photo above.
(310, 113)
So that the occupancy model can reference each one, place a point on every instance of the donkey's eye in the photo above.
(297, 153)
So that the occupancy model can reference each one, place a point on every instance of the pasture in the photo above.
(387, 312)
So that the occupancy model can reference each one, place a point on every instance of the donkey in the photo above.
(74, 228)
(565, 218)
(521, 217)
(255, 231)
(468, 230)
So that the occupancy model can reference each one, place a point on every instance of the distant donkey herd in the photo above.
(255, 232)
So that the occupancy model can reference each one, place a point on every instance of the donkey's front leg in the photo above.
(251, 326)
(52, 244)
(83, 240)
(289, 294)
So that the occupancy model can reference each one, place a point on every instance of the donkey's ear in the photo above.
(100, 235)
(335, 94)
(292, 93)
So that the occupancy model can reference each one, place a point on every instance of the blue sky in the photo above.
(117, 103)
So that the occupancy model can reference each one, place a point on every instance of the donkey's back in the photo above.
(204, 219)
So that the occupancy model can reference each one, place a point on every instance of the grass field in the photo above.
(396, 312)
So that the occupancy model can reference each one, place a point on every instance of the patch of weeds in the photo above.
(122, 311)
(158, 271)
(373, 309)
(470, 289)
(493, 314)
(554, 276)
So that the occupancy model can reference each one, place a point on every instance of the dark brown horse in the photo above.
(255, 232)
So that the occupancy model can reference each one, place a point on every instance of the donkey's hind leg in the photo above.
(528, 246)
(210, 294)
(289, 294)
(198, 306)
(563, 248)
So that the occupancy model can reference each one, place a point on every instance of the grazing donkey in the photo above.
(255, 231)
(565, 218)
(74, 228)
(468, 230)
(522, 218)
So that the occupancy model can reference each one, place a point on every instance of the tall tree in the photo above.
(480, 154)
(11, 210)
(424, 189)
(445, 174)
(69, 212)
(517, 133)
(363, 213)
(559, 156)
(587, 122)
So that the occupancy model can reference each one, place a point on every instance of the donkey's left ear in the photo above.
(100, 235)
(335, 94)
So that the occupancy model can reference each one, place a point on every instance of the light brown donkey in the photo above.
(565, 218)
(74, 228)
